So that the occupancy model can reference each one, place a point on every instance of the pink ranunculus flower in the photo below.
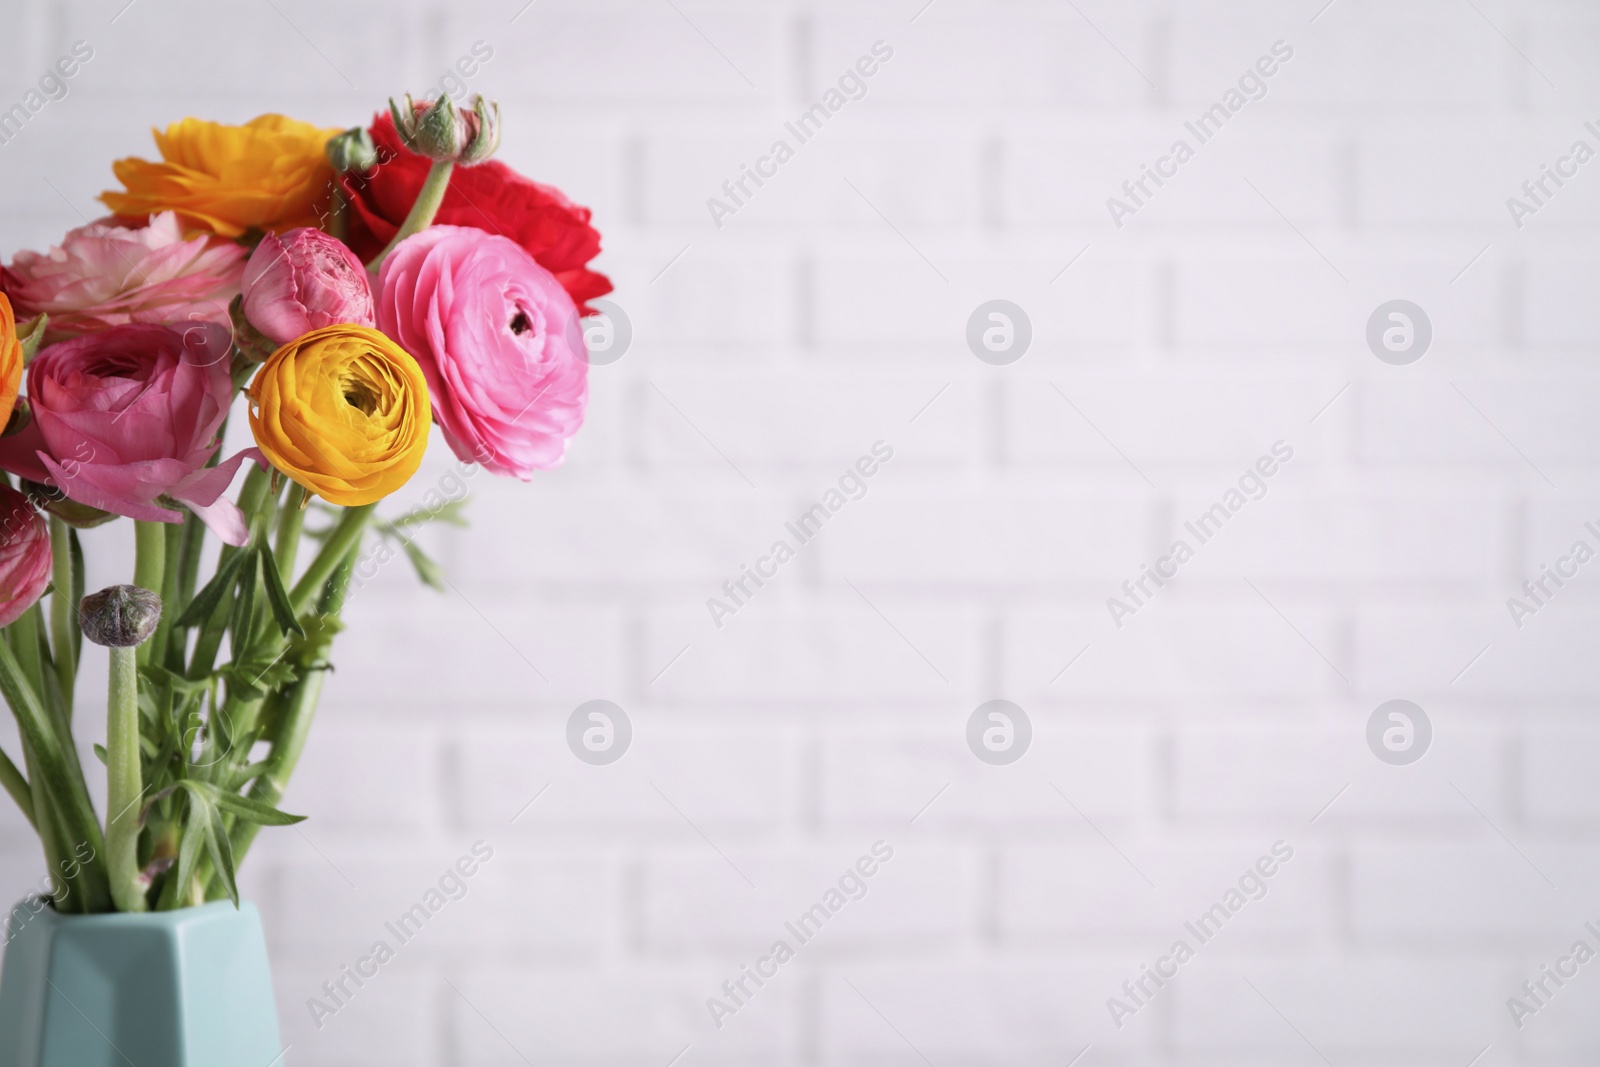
(301, 281)
(129, 416)
(24, 555)
(105, 274)
(499, 341)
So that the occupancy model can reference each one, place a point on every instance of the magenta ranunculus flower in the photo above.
(24, 555)
(107, 275)
(499, 340)
(301, 281)
(129, 416)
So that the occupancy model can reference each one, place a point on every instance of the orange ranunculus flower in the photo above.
(10, 361)
(268, 174)
(344, 412)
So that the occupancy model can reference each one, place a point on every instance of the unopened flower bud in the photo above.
(120, 616)
(441, 131)
(484, 120)
(21, 416)
(352, 150)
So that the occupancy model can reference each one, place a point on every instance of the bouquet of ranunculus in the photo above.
(356, 287)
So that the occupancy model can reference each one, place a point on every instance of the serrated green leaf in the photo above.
(277, 597)
(206, 600)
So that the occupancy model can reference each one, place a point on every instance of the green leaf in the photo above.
(431, 573)
(451, 513)
(255, 811)
(258, 674)
(153, 799)
(100, 751)
(206, 600)
(31, 334)
(221, 852)
(181, 686)
(241, 627)
(277, 597)
(242, 776)
(194, 835)
(320, 632)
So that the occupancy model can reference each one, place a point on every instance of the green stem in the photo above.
(256, 484)
(149, 564)
(291, 521)
(194, 534)
(63, 612)
(124, 788)
(69, 801)
(291, 742)
(66, 891)
(18, 787)
(341, 543)
(423, 210)
(295, 723)
(172, 547)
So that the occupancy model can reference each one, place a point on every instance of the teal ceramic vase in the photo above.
(188, 988)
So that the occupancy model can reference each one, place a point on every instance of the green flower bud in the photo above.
(441, 131)
(352, 150)
(120, 616)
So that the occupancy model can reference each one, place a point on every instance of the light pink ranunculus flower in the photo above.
(126, 419)
(105, 275)
(499, 341)
(301, 281)
(24, 555)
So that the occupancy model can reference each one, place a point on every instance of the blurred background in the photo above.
(1152, 353)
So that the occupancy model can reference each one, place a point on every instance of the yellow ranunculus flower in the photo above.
(344, 412)
(10, 361)
(268, 174)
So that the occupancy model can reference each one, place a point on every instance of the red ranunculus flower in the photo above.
(489, 196)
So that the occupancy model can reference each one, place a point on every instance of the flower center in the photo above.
(360, 395)
(520, 323)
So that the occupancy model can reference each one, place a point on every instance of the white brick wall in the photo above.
(830, 714)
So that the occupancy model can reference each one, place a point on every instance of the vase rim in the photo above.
(133, 918)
